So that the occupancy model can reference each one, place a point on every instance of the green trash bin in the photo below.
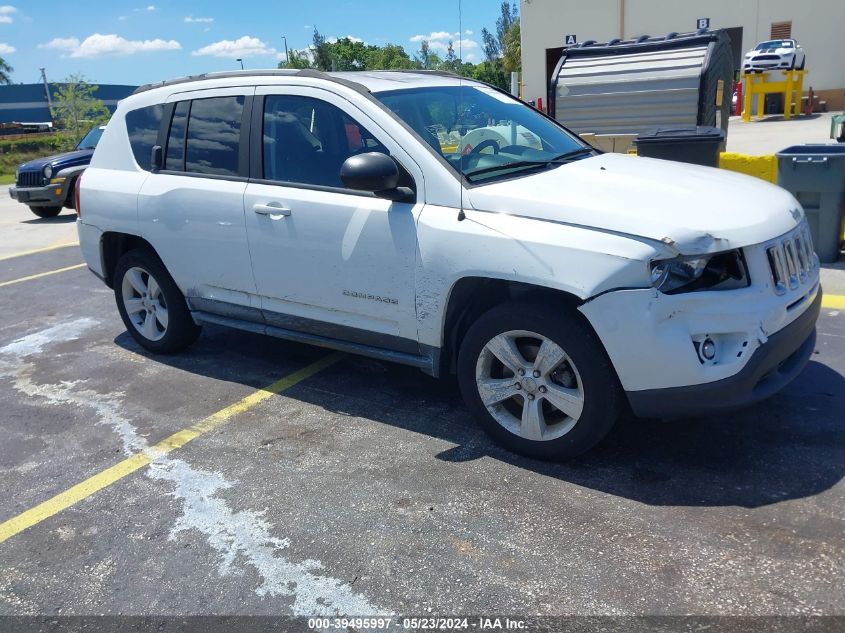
(815, 175)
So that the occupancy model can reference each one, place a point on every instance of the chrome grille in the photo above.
(791, 259)
(30, 178)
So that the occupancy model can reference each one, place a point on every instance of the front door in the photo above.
(328, 260)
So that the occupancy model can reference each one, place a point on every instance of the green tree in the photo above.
(348, 54)
(512, 52)
(5, 72)
(296, 59)
(492, 73)
(77, 108)
(388, 57)
(322, 53)
(490, 45)
(426, 59)
(508, 18)
(452, 62)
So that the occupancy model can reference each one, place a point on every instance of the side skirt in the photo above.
(428, 363)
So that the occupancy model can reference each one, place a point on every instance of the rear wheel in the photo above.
(538, 381)
(151, 305)
(46, 212)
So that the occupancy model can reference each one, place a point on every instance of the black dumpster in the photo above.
(815, 175)
(697, 145)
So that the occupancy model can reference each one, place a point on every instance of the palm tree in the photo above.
(5, 71)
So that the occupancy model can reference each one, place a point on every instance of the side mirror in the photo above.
(375, 172)
(156, 158)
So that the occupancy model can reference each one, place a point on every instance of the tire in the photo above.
(46, 212)
(573, 364)
(155, 314)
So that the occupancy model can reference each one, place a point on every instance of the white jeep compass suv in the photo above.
(438, 222)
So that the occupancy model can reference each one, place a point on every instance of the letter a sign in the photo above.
(570, 40)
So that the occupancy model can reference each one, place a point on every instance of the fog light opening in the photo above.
(708, 349)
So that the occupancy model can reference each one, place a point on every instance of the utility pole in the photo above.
(47, 92)
(241, 61)
(286, 49)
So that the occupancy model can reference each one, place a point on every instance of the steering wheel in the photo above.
(485, 144)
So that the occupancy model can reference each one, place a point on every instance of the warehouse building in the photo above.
(27, 103)
(549, 25)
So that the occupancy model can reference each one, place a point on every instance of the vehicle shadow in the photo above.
(62, 218)
(789, 447)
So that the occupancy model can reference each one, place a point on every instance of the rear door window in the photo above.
(142, 126)
(212, 143)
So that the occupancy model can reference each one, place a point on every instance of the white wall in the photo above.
(818, 25)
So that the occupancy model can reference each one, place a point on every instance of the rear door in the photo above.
(192, 209)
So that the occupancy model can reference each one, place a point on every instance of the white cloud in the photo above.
(307, 26)
(458, 45)
(61, 43)
(98, 45)
(5, 49)
(122, 17)
(467, 32)
(192, 20)
(150, 7)
(332, 40)
(436, 36)
(6, 12)
(245, 46)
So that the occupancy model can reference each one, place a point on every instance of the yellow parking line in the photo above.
(40, 275)
(113, 474)
(35, 251)
(833, 302)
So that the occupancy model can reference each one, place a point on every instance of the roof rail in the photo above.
(267, 72)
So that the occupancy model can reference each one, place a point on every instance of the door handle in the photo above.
(269, 209)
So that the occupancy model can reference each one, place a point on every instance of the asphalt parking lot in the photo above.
(356, 486)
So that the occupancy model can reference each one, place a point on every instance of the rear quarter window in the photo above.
(142, 127)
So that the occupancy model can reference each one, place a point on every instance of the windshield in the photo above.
(483, 133)
(90, 140)
(774, 44)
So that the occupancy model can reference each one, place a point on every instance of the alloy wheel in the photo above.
(144, 303)
(529, 385)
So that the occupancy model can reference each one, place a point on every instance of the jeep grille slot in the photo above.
(30, 178)
(791, 259)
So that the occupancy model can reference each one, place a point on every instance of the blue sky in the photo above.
(138, 42)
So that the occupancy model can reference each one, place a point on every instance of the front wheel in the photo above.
(151, 305)
(538, 381)
(46, 212)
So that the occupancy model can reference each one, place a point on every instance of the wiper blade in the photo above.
(573, 154)
(556, 160)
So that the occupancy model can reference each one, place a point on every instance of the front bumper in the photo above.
(762, 65)
(48, 195)
(770, 368)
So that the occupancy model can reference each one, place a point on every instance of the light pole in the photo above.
(241, 61)
(286, 49)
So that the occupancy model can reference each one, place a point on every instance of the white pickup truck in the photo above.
(563, 286)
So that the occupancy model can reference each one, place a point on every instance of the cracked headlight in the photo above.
(718, 271)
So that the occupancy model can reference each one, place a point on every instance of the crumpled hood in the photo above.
(60, 161)
(689, 208)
